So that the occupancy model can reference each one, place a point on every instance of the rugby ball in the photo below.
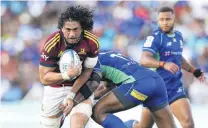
(69, 57)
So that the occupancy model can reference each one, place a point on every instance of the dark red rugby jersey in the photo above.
(55, 45)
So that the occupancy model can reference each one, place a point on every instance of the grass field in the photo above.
(26, 115)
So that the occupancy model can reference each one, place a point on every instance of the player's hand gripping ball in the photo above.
(69, 59)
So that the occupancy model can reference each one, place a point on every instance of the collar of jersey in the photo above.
(168, 35)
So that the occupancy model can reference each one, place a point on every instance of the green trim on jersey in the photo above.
(171, 35)
(157, 57)
(116, 76)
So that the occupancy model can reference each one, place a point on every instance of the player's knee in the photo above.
(83, 108)
(76, 121)
(188, 123)
(50, 122)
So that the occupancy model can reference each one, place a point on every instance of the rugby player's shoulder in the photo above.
(93, 40)
(177, 32)
(54, 34)
(51, 41)
(156, 33)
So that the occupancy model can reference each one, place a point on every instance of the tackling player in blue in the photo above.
(136, 85)
(163, 51)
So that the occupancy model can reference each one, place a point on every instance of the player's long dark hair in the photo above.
(77, 13)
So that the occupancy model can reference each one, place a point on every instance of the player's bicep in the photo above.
(44, 70)
(49, 54)
(145, 56)
(48, 59)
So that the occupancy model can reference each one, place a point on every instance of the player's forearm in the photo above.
(149, 62)
(82, 79)
(186, 66)
(51, 78)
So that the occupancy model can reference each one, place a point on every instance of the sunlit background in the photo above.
(119, 25)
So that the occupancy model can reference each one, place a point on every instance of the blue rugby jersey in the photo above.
(121, 69)
(166, 48)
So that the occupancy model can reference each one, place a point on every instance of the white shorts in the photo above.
(52, 98)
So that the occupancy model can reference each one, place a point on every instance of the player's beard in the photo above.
(75, 41)
(72, 40)
(169, 31)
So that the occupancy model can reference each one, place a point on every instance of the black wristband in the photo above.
(85, 91)
(197, 73)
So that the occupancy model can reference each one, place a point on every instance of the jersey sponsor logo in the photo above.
(51, 43)
(168, 53)
(44, 56)
(138, 95)
(148, 42)
(82, 51)
(91, 37)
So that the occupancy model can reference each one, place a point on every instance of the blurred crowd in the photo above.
(119, 25)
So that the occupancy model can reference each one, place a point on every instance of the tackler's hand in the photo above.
(67, 104)
(100, 91)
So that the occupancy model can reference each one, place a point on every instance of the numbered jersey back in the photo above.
(115, 59)
(119, 68)
(69, 57)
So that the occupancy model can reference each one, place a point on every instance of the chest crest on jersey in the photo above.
(82, 51)
(60, 53)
